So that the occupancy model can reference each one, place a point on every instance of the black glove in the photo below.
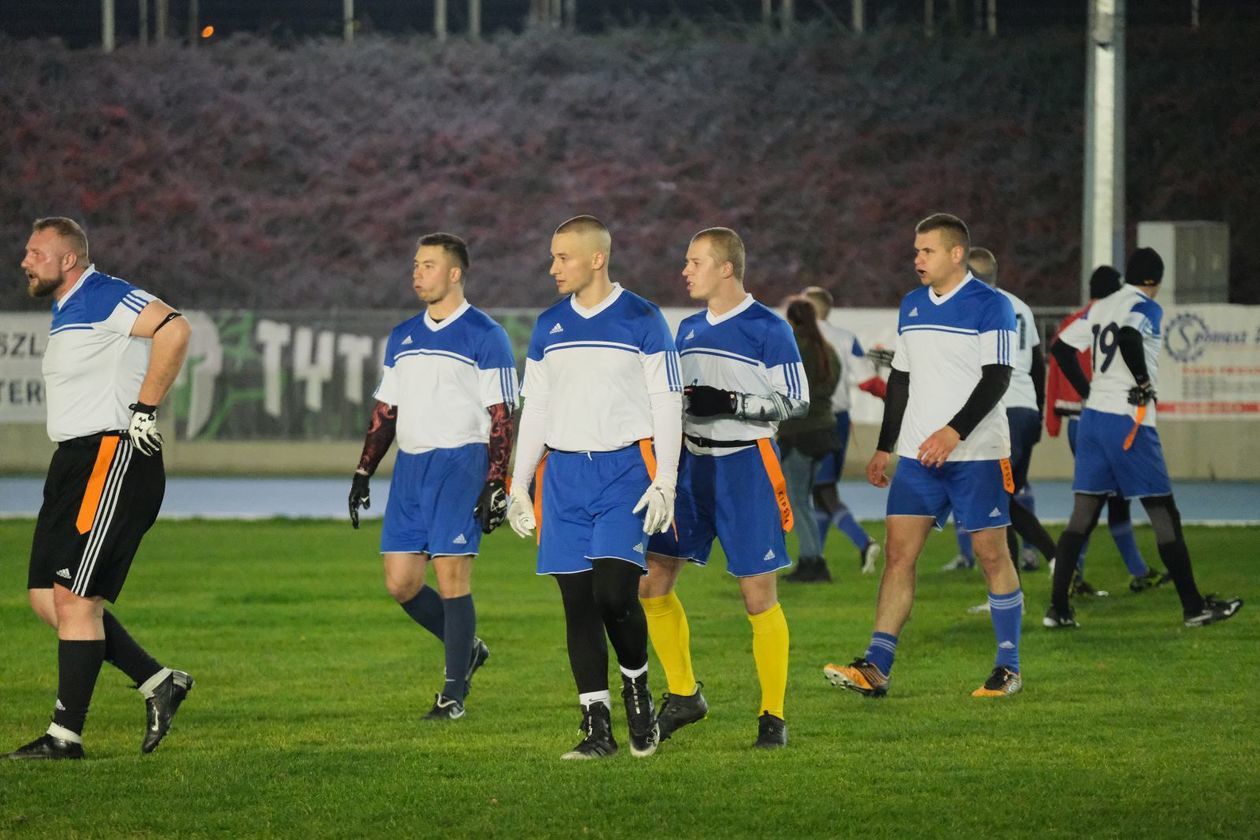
(707, 401)
(492, 506)
(360, 497)
(1141, 393)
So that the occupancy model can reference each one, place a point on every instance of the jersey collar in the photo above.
(91, 269)
(599, 307)
(714, 320)
(448, 320)
(945, 298)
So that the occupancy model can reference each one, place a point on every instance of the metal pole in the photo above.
(439, 19)
(107, 26)
(787, 14)
(474, 19)
(1102, 235)
(1194, 14)
(991, 18)
(929, 18)
(163, 14)
(144, 23)
(859, 16)
(767, 12)
(194, 28)
(570, 15)
(347, 21)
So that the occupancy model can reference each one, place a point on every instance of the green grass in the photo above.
(310, 685)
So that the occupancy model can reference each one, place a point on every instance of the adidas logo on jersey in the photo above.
(63, 573)
(914, 313)
(639, 548)
(994, 513)
(690, 335)
(769, 555)
(407, 340)
(556, 329)
(460, 540)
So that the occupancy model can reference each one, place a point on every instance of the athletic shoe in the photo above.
(160, 709)
(980, 609)
(1028, 560)
(860, 676)
(809, 570)
(771, 732)
(1002, 682)
(445, 708)
(480, 653)
(1056, 620)
(640, 716)
(678, 710)
(958, 563)
(1214, 610)
(597, 727)
(1085, 589)
(1141, 583)
(46, 747)
(870, 556)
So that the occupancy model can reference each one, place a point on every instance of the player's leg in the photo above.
(1027, 525)
(1169, 539)
(667, 624)
(965, 558)
(798, 470)
(1085, 510)
(1120, 524)
(404, 544)
(454, 579)
(404, 580)
(770, 653)
(616, 587)
(41, 600)
(1006, 610)
(588, 660)
(80, 653)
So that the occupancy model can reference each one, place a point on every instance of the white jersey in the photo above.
(594, 371)
(943, 342)
(749, 350)
(93, 366)
(443, 375)
(1097, 331)
(1021, 393)
(855, 368)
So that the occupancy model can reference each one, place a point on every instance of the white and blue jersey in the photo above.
(943, 342)
(1021, 393)
(93, 366)
(443, 376)
(855, 367)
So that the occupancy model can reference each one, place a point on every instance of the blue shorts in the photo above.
(1025, 424)
(829, 467)
(731, 498)
(431, 501)
(587, 499)
(1104, 466)
(977, 492)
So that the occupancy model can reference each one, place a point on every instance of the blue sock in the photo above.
(882, 651)
(964, 543)
(461, 628)
(1025, 497)
(426, 610)
(1127, 543)
(1006, 613)
(1080, 561)
(824, 525)
(852, 529)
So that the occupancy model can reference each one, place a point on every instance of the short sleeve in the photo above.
(387, 390)
(901, 354)
(1077, 334)
(115, 305)
(1145, 317)
(659, 356)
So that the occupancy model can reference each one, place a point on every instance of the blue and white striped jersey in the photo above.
(750, 350)
(593, 371)
(444, 375)
(943, 342)
(93, 366)
(1022, 393)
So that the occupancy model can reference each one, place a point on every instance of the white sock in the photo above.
(592, 697)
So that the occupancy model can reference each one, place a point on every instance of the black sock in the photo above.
(1176, 559)
(425, 609)
(1012, 548)
(1069, 548)
(584, 630)
(78, 664)
(461, 627)
(125, 654)
(1027, 525)
(616, 587)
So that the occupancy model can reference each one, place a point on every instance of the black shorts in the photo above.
(100, 498)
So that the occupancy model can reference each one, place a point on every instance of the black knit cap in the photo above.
(1104, 281)
(1145, 268)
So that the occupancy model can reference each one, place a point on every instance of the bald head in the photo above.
(592, 233)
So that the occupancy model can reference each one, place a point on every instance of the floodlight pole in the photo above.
(929, 18)
(107, 26)
(347, 21)
(162, 14)
(474, 19)
(1102, 234)
(859, 16)
(144, 23)
(439, 19)
(991, 17)
(194, 29)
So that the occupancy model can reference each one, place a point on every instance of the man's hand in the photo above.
(875, 469)
(934, 451)
(659, 502)
(143, 429)
(707, 401)
(1141, 394)
(360, 496)
(520, 513)
(492, 506)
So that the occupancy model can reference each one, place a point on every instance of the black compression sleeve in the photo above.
(895, 400)
(1038, 374)
(1070, 364)
(1130, 343)
(988, 392)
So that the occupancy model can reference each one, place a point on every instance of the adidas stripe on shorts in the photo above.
(100, 498)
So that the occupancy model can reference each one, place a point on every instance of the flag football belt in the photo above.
(719, 444)
(89, 441)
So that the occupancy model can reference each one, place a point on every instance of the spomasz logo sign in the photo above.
(1187, 337)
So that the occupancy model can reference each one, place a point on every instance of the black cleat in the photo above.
(1056, 620)
(46, 748)
(1150, 580)
(445, 708)
(678, 710)
(160, 709)
(480, 653)
(1214, 610)
(771, 732)
(645, 737)
(597, 727)
(1085, 589)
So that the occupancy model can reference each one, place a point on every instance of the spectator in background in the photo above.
(855, 367)
(805, 441)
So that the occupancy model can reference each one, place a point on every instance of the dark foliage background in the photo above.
(249, 175)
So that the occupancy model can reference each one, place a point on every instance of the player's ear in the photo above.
(457, 274)
(69, 260)
(598, 260)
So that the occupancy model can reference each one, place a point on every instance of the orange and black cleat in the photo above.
(859, 675)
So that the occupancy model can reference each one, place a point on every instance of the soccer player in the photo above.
(830, 509)
(601, 384)
(944, 417)
(1117, 448)
(744, 375)
(447, 392)
(113, 352)
(1065, 402)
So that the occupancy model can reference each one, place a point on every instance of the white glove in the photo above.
(520, 513)
(143, 429)
(659, 501)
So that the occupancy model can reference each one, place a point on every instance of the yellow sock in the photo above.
(671, 639)
(770, 652)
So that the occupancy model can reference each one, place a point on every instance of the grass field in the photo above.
(310, 686)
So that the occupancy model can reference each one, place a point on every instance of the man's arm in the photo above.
(1038, 374)
(380, 435)
(169, 332)
(1070, 365)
